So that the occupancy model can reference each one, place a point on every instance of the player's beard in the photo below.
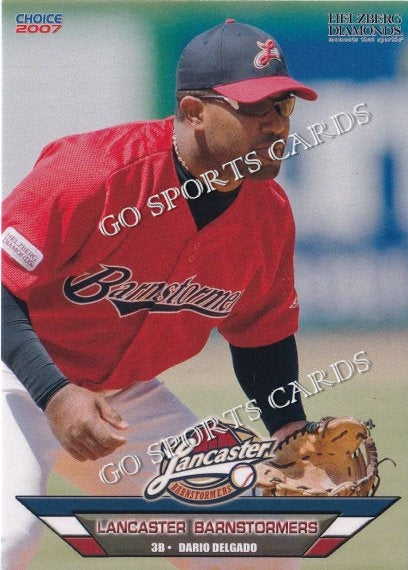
(270, 167)
(267, 171)
(215, 154)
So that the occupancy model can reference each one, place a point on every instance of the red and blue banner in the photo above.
(248, 526)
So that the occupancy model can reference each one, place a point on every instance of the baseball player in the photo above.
(124, 248)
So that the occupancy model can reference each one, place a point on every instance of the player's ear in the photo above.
(192, 109)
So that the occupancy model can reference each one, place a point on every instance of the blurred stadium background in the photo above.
(114, 62)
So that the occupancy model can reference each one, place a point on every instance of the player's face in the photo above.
(229, 134)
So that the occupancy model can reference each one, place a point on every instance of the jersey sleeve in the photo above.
(268, 311)
(50, 214)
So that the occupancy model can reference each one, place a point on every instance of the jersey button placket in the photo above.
(196, 247)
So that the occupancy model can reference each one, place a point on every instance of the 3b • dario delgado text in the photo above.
(217, 547)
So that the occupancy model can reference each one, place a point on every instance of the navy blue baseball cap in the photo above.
(238, 61)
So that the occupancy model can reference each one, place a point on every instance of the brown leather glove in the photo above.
(333, 457)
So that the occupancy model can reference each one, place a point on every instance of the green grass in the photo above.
(207, 385)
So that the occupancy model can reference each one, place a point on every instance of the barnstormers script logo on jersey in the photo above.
(115, 284)
(213, 470)
(268, 51)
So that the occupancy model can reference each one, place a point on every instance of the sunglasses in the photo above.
(284, 107)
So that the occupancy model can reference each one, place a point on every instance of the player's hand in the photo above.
(81, 420)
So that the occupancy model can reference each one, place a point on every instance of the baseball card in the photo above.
(204, 284)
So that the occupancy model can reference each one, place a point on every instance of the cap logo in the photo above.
(268, 52)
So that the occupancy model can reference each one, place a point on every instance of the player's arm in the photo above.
(79, 418)
(261, 370)
(24, 354)
(54, 211)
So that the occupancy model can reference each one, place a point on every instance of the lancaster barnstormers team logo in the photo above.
(211, 471)
(268, 51)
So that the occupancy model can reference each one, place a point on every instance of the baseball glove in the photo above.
(333, 457)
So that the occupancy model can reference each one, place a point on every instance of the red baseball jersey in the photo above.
(114, 309)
